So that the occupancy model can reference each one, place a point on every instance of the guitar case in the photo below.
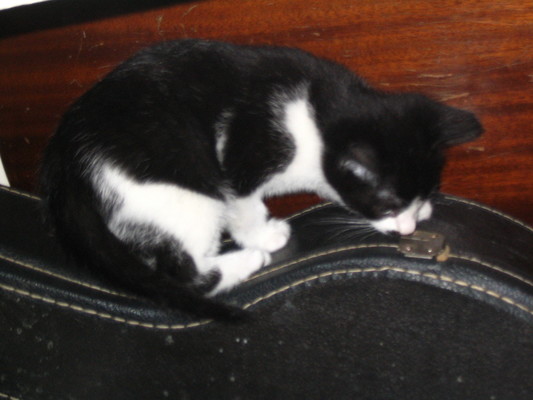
(342, 313)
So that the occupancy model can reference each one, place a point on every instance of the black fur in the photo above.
(154, 116)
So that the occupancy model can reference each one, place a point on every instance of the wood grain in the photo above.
(471, 54)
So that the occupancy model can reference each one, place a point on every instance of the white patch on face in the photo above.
(359, 170)
(405, 222)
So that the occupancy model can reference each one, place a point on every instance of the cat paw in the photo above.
(237, 266)
(425, 211)
(270, 236)
(253, 259)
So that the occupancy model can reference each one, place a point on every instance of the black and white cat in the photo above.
(183, 141)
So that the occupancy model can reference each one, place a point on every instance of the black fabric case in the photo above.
(342, 313)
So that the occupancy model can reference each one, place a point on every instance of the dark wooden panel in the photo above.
(472, 54)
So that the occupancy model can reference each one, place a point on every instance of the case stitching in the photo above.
(358, 247)
(63, 277)
(81, 283)
(429, 275)
(8, 397)
(20, 193)
(315, 277)
(308, 210)
(492, 266)
(487, 208)
(316, 255)
(103, 315)
(286, 265)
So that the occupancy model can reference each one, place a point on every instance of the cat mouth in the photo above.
(404, 222)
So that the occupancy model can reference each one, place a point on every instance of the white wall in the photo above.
(13, 3)
(3, 177)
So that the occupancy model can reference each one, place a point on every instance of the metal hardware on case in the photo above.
(423, 244)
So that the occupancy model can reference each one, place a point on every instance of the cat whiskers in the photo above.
(347, 228)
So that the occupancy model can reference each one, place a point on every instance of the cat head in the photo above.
(386, 161)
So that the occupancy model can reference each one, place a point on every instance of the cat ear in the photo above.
(457, 126)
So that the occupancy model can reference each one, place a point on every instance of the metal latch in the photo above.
(421, 244)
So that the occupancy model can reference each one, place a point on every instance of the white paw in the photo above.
(236, 266)
(269, 236)
(425, 211)
(254, 259)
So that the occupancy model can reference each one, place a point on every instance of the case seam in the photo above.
(442, 278)
(266, 272)
(487, 208)
(19, 192)
(100, 314)
(316, 255)
(493, 267)
(98, 288)
(370, 246)
(8, 397)
(346, 271)
(308, 210)
(63, 277)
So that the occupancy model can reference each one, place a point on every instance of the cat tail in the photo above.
(83, 232)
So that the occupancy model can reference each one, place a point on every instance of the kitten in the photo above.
(182, 142)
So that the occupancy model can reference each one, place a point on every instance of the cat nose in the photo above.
(407, 230)
(405, 224)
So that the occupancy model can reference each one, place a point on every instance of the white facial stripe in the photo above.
(360, 171)
(405, 222)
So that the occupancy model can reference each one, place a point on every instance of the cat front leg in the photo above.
(251, 226)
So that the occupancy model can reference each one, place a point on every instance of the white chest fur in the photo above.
(304, 173)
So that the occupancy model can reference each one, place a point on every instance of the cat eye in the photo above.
(380, 212)
(389, 214)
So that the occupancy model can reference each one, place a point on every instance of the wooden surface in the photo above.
(473, 54)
